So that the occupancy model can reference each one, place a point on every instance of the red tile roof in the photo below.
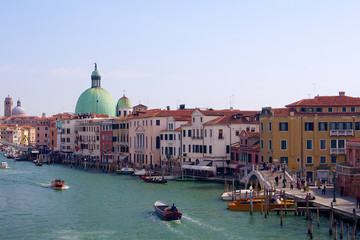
(322, 101)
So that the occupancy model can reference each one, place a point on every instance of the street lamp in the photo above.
(334, 174)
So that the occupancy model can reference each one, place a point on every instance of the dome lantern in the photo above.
(95, 78)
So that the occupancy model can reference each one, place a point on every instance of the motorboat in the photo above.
(58, 184)
(125, 170)
(258, 203)
(141, 172)
(153, 179)
(37, 162)
(244, 193)
(167, 212)
(4, 165)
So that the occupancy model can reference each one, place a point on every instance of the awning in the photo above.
(220, 164)
(200, 168)
(34, 151)
(205, 163)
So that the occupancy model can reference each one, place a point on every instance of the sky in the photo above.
(202, 53)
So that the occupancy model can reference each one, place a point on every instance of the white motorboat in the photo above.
(125, 170)
(228, 196)
(141, 172)
(4, 165)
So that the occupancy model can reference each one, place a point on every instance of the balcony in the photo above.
(198, 137)
(337, 151)
(345, 169)
(348, 132)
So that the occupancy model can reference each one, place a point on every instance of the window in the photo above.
(200, 119)
(189, 133)
(352, 109)
(323, 126)
(341, 143)
(284, 160)
(205, 149)
(210, 132)
(357, 126)
(161, 137)
(322, 159)
(270, 144)
(343, 109)
(309, 160)
(333, 143)
(270, 126)
(318, 109)
(220, 133)
(283, 126)
(261, 127)
(157, 142)
(330, 109)
(309, 144)
(302, 109)
(322, 144)
(171, 137)
(157, 122)
(166, 137)
(210, 149)
(283, 144)
(227, 148)
(333, 159)
(309, 126)
(262, 144)
(184, 148)
(193, 119)
(189, 148)
(184, 133)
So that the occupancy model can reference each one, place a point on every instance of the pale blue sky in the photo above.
(200, 53)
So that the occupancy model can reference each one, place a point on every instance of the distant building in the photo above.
(8, 106)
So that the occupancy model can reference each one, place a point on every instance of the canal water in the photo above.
(109, 206)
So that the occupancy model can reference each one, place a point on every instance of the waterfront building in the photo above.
(8, 106)
(87, 132)
(28, 134)
(106, 143)
(246, 152)
(11, 133)
(170, 142)
(95, 100)
(20, 120)
(120, 134)
(144, 135)
(347, 174)
(66, 136)
(43, 131)
(208, 138)
(310, 135)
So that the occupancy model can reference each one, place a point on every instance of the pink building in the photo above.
(43, 131)
(348, 173)
(106, 144)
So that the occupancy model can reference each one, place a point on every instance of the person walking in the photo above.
(277, 180)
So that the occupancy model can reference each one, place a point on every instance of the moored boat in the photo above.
(141, 172)
(153, 179)
(167, 212)
(125, 170)
(258, 202)
(244, 193)
(58, 184)
(4, 165)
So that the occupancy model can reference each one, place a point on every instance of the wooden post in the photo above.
(265, 201)
(318, 214)
(233, 189)
(331, 219)
(311, 225)
(251, 204)
(347, 231)
(262, 206)
(355, 223)
(335, 230)
(281, 216)
(225, 187)
(295, 206)
(341, 228)
(307, 206)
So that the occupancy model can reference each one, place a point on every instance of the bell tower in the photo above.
(8, 106)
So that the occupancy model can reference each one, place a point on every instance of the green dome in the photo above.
(95, 100)
(95, 73)
(123, 102)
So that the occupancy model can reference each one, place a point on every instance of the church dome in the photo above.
(123, 102)
(18, 110)
(95, 100)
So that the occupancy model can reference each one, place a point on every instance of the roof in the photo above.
(235, 117)
(123, 102)
(321, 101)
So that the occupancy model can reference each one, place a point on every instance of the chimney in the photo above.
(168, 108)
(182, 106)
(341, 94)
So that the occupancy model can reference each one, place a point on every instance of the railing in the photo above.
(342, 132)
(338, 151)
(347, 170)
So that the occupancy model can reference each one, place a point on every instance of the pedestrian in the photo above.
(277, 180)
(284, 182)
(323, 189)
(291, 186)
(358, 201)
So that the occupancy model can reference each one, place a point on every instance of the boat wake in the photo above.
(200, 224)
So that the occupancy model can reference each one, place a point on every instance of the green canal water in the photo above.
(109, 206)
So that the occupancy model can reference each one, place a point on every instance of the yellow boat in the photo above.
(244, 204)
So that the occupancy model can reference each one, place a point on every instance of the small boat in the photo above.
(58, 184)
(153, 179)
(258, 202)
(4, 165)
(167, 212)
(244, 193)
(141, 172)
(125, 170)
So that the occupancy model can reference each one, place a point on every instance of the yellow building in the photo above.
(310, 135)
